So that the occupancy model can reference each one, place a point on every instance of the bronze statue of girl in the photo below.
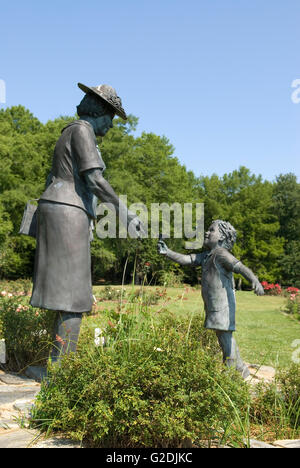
(217, 286)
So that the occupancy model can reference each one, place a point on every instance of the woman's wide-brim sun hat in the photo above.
(109, 95)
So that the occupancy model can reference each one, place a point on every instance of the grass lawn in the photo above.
(264, 333)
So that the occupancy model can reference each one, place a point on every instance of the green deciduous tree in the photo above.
(26, 148)
(144, 168)
(245, 200)
(286, 201)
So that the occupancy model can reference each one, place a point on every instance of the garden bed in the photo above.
(148, 374)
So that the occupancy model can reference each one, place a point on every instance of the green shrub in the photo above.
(293, 305)
(111, 294)
(156, 382)
(170, 279)
(27, 331)
(20, 287)
(147, 298)
(267, 405)
(289, 383)
(141, 295)
(278, 404)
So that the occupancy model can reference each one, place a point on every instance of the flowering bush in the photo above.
(292, 290)
(20, 287)
(293, 302)
(111, 294)
(147, 298)
(293, 297)
(27, 331)
(140, 295)
(272, 289)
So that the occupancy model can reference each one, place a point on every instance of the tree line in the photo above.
(266, 214)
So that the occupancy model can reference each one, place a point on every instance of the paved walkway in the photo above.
(17, 394)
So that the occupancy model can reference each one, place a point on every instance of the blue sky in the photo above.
(213, 76)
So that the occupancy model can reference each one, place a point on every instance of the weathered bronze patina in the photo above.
(66, 209)
(217, 286)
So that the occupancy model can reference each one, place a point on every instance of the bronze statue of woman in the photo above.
(62, 272)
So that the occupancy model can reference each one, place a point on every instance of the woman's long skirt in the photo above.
(62, 272)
